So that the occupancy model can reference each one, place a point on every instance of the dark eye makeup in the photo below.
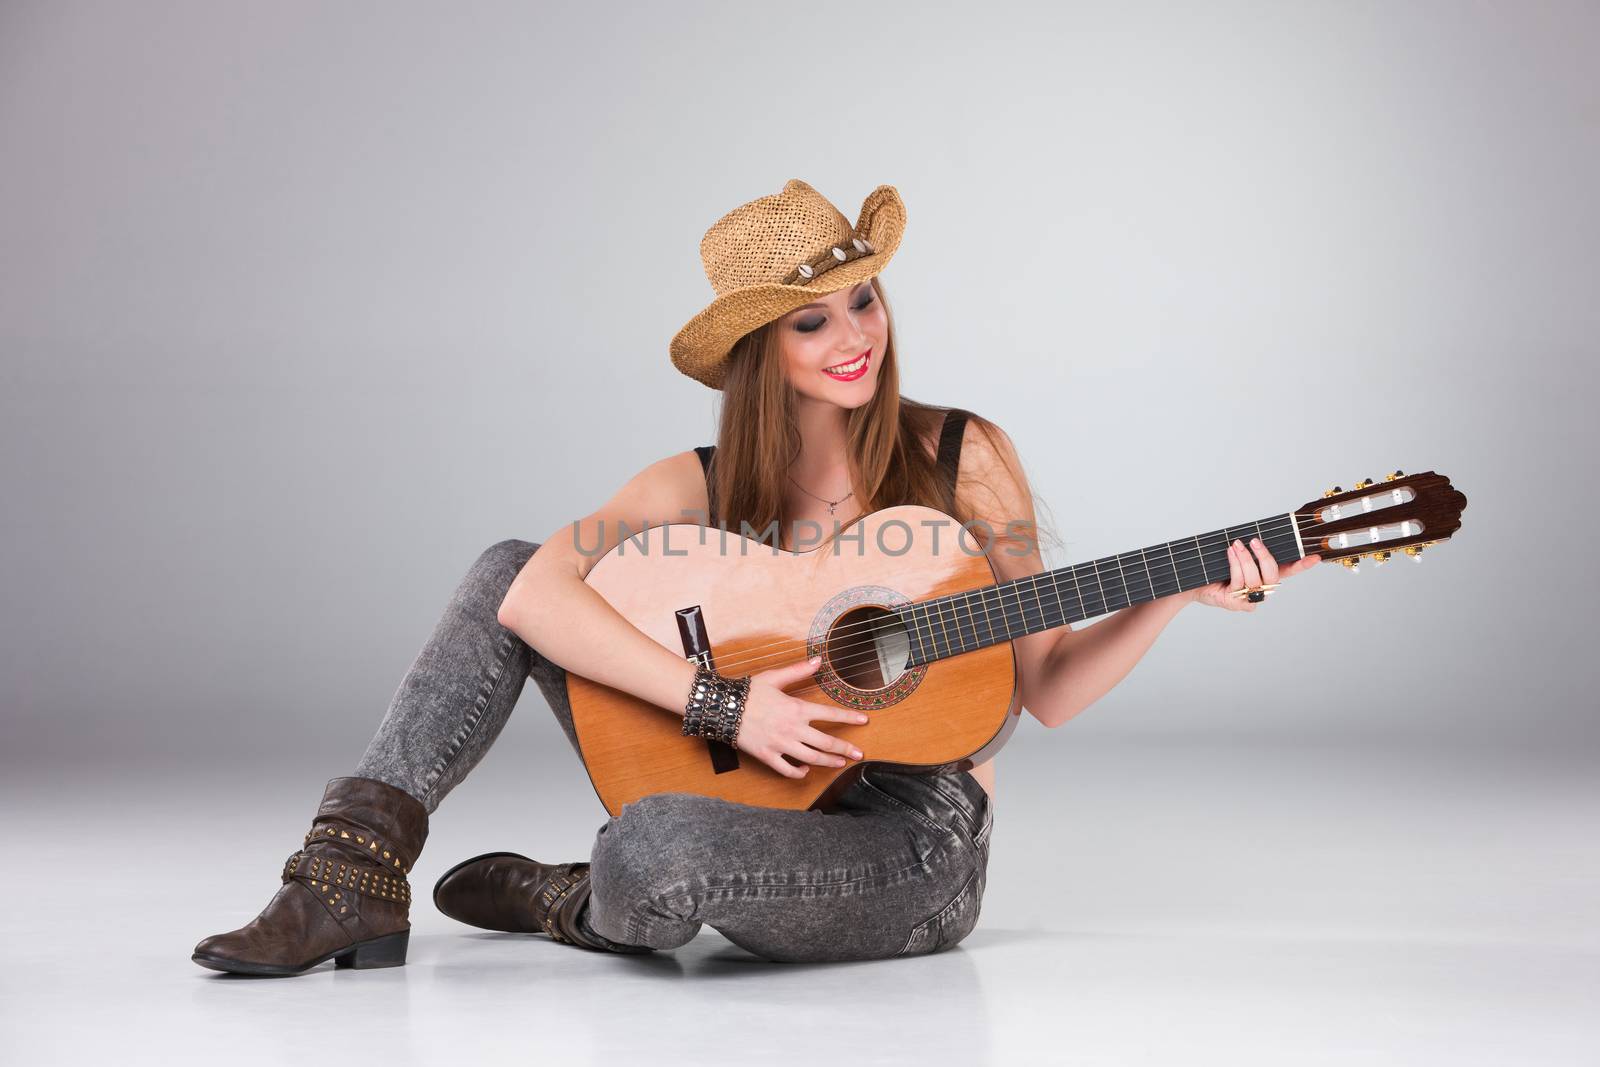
(811, 325)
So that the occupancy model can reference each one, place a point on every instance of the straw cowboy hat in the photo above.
(778, 253)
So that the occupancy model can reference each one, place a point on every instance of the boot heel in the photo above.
(387, 951)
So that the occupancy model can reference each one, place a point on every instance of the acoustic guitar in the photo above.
(912, 626)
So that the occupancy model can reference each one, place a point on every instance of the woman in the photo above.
(814, 434)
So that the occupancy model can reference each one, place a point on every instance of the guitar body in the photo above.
(760, 608)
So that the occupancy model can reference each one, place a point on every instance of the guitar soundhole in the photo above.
(865, 648)
(868, 648)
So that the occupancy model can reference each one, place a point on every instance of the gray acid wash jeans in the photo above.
(897, 868)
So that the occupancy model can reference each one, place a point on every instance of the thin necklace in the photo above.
(831, 503)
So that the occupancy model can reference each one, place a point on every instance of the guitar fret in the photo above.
(977, 618)
(919, 654)
(963, 631)
(1091, 607)
(988, 619)
(1149, 582)
(1125, 596)
(947, 615)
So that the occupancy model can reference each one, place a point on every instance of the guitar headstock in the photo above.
(1402, 513)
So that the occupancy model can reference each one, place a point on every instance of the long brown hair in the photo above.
(758, 439)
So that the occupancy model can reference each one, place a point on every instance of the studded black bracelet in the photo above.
(716, 706)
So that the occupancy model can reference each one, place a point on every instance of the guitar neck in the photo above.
(964, 622)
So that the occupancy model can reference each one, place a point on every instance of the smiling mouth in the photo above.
(851, 369)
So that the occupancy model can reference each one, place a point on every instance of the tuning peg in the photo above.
(1382, 557)
(1415, 552)
(1392, 477)
(1352, 564)
(1335, 491)
(1363, 483)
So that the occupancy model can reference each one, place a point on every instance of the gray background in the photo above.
(303, 305)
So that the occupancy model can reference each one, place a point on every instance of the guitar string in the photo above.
(1188, 570)
(1186, 564)
(1090, 567)
(1277, 523)
(810, 684)
(943, 628)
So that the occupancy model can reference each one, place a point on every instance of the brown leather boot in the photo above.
(509, 892)
(344, 894)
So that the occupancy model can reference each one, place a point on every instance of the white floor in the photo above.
(1149, 902)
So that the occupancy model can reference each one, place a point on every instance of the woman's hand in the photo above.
(775, 723)
(1252, 566)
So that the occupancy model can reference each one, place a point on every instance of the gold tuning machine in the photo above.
(1363, 483)
(1335, 491)
(1392, 477)
(1382, 557)
(1415, 551)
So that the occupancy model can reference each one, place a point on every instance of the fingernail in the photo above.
(855, 753)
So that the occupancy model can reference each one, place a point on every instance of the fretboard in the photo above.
(962, 622)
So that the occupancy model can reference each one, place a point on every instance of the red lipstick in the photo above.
(866, 364)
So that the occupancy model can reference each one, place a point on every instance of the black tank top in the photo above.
(948, 462)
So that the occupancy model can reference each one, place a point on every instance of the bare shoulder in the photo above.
(671, 489)
(991, 482)
(987, 453)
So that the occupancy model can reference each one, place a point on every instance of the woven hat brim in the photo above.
(700, 349)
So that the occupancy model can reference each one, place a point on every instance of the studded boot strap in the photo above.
(332, 873)
(562, 897)
(326, 873)
(380, 852)
(569, 884)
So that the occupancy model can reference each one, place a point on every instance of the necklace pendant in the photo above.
(830, 509)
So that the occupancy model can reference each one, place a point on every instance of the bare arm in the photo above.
(1101, 656)
(552, 608)
(1061, 671)
(1081, 670)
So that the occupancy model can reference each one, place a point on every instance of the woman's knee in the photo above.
(499, 564)
(650, 850)
(486, 582)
